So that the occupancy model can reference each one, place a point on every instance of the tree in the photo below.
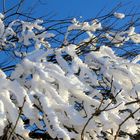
(71, 80)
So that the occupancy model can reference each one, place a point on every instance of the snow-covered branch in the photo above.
(76, 91)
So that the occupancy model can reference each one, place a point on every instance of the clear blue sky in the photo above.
(70, 8)
(85, 8)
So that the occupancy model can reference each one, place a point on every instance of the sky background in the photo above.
(75, 8)
(61, 9)
(86, 8)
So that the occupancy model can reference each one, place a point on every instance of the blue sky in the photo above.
(75, 8)
(60, 9)
(65, 8)
(84, 8)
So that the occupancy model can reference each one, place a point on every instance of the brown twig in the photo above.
(20, 112)
(117, 133)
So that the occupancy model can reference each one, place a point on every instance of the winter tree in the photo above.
(69, 79)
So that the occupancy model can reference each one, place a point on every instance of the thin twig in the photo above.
(20, 112)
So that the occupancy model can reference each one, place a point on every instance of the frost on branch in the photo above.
(68, 95)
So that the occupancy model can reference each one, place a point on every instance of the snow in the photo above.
(65, 94)
(86, 26)
(2, 28)
(2, 118)
(1, 16)
(119, 15)
(135, 38)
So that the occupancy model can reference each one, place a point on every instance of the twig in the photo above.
(98, 111)
(20, 112)
(117, 133)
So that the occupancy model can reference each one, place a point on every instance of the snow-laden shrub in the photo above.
(96, 96)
